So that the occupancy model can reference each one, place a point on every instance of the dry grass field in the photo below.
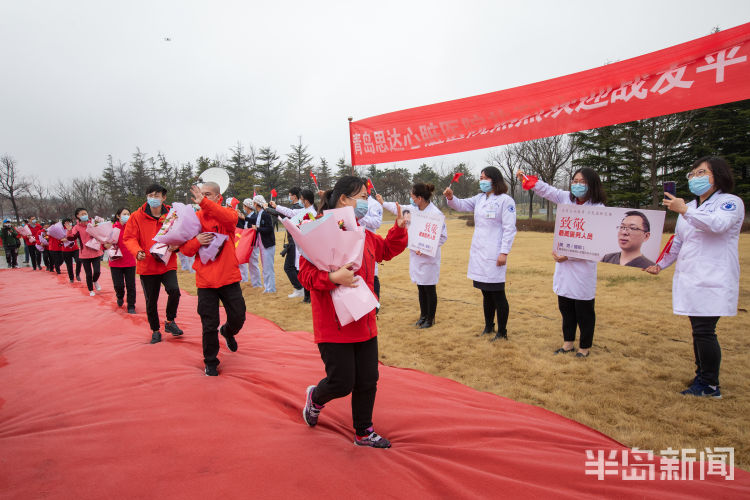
(628, 388)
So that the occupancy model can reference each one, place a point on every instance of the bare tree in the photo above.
(546, 157)
(12, 185)
(508, 163)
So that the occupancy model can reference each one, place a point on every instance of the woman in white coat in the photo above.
(494, 231)
(707, 275)
(424, 270)
(575, 279)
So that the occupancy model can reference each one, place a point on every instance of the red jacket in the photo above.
(127, 259)
(54, 244)
(35, 233)
(326, 326)
(139, 237)
(225, 270)
(79, 233)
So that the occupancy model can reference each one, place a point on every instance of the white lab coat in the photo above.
(705, 246)
(494, 231)
(292, 213)
(574, 278)
(373, 220)
(423, 269)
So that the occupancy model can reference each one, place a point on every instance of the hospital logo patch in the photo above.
(511, 208)
(729, 206)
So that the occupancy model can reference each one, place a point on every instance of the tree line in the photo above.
(633, 160)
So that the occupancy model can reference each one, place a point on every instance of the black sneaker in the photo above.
(427, 323)
(171, 327)
(156, 337)
(499, 336)
(487, 330)
(311, 411)
(373, 440)
(421, 320)
(131, 309)
(78, 278)
(211, 371)
(120, 302)
(306, 300)
(231, 342)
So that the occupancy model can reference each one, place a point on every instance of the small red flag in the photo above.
(666, 249)
(370, 187)
(274, 194)
(315, 179)
(456, 176)
(529, 181)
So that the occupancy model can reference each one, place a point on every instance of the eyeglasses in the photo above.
(363, 197)
(629, 229)
(699, 173)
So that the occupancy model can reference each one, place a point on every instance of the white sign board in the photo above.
(424, 231)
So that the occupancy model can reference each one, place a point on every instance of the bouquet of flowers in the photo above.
(57, 231)
(328, 243)
(101, 232)
(180, 225)
(209, 252)
(25, 231)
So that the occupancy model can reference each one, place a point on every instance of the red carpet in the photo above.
(88, 409)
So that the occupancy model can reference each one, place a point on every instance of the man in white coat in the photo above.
(707, 275)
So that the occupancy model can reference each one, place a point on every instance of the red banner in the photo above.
(704, 72)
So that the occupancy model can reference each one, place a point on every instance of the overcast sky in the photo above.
(83, 79)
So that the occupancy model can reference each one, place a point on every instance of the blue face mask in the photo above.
(579, 190)
(485, 186)
(124, 218)
(699, 185)
(153, 202)
(413, 203)
(84, 218)
(361, 209)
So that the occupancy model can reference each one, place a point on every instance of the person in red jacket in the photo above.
(349, 352)
(70, 253)
(123, 268)
(219, 279)
(34, 254)
(89, 256)
(140, 230)
(55, 251)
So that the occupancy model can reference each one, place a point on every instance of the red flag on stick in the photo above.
(274, 194)
(315, 180)
(529, 181)
(666, 248)
(456, 176)
(370, 187)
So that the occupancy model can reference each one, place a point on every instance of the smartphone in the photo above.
(670, 187)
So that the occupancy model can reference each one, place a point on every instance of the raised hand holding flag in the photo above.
(527, 181)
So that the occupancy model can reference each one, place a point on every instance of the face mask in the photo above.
(153, 202)
(579, 190)
(124, 218)
(84, 218)
(699, 185)
(33, 222)
(361, 209)
(413, 203)
(485, 186)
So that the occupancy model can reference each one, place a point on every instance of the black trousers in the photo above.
(350, 368)
(11, 256)
(580, 314)
(92, 270)
(25, 253)
(494, 301)
(376, 286)
(208, 309)
(289, 269)
(36, 257)
(706, 348)
(47, 256)
(427, 301)
(123, 278)
(68, 260)
(151, 284)
(76, 256)
(56, 257)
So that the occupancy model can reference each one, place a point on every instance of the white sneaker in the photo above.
(92, 293)
(297, 293)
(97, 286)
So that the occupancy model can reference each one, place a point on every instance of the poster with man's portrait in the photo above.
(623, 236)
